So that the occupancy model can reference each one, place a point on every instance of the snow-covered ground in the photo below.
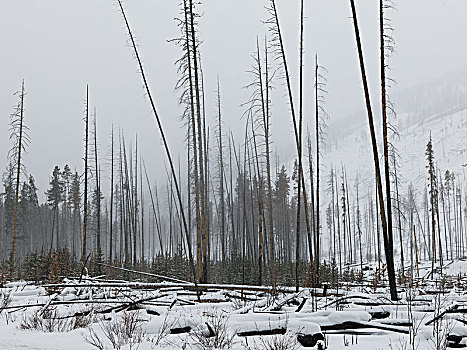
(73, 316)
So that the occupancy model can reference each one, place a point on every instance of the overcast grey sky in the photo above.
(59, 46)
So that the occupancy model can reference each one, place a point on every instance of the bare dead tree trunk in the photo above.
(111, 196)
(205, 138)
(201, 187)
(86, 144)
(156, 216)
(385, 122)
(317, 121)
(277, 31)
(187, 67)
(299, 152)
(98, 189)
(18, 172)
(260, 200)
(387, 240)
(142, 210)
(266, 124)
(221, 173)
(134, 215)
(260, 104)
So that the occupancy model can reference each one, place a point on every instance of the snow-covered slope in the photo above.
(437, 107)
(449, 134)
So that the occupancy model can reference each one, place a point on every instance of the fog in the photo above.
(59, 46)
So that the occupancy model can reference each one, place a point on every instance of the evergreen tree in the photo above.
(66, 178)
(32, 193)
(55, 196)
(34, 219)
(23, 218)
(433, 192)
(8, 196)
(282, 187)
(282, 213)
(74, 202)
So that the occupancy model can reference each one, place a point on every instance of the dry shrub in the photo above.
(119, 331)
(287, 341)
(49, 320)
(164, 330)
(216, 336)
(5, 300)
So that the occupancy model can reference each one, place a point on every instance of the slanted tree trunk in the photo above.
(166, 147)
(386, 239)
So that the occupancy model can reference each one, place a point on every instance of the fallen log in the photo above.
(441, 314)
(70, 302)
(359, 325)
(277, 306)
(47, 304)
(271, 331)
(372, 303)
(309, 340)
(187, 286)
(378, 315)
(186, 302)
(171, 279)
(345, 298)
(454, 340)
(302, 304)
(180, 330)
(240, 297)
(396, 322)
(130, 305)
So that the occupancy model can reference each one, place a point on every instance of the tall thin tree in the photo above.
(20, 139)
(387, 242)
(85, 204)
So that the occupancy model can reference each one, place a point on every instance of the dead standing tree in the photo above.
(86, 145)
(321, 118)
(258, 111)
(21, 139)
(279, 52)
(189, 87)
(97, 194)
(387, 242)
(111, 196)
(221, 173)
(383, 37)
(195, 55)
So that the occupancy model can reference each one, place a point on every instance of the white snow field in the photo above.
(104, 314)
